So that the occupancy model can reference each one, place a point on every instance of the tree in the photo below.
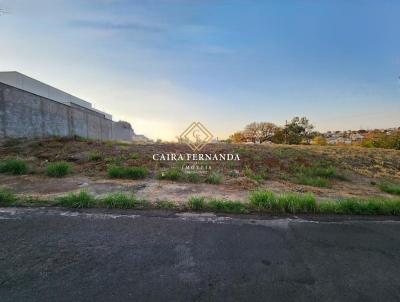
(252, 132)
(278, 137)
(267, 130)
(298, 130)
(237, 137)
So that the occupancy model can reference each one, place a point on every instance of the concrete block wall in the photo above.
(26, 115)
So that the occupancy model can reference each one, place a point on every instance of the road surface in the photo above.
(97, 255)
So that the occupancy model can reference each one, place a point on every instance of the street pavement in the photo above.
(103, 255)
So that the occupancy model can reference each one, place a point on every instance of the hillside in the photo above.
(327, 172)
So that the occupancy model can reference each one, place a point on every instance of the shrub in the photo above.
(390, 188)
(77, 200)
(120, 200)
(227, 206)
(14, 166)
(129, 172)
(215, 178)
(171, 174)
(7, 197)
(58, 169)
(193, 177)
(197, 203)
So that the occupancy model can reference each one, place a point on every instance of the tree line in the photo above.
(298, 131)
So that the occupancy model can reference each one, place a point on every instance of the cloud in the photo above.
(117, 26)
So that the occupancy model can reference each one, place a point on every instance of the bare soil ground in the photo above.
(362, 169)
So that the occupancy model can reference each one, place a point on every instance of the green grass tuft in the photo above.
(95, 156)
(215, 178)
(372, 206)
(171, 174)
(77, 200)
(128, 172)
(257, 177)
(134, 155)
(287, 203)
(263, 200)
(58, 169)
(165, 204)
(14, 166)
(316, 176)
(312, 181)
(120, 201)
(390, 188)
(295, 203)
(193, 177)
(7, 197)
(227, 206)
(197, 203)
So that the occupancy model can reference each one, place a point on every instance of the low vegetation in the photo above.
(165, 204)
(174, 174)
(317, 176)
(312, 181)
(252, 175)
(215, 178)
(95, 156)
(260, 201)
(128, 172)
(227, 206)
(193, 177)
(294, 203)
(289, 203)
(390, 188)
(77, 200)
(361, 207)
(120, 201)
(58, 169)
(197, 203)
(6, 197)
(14, 167)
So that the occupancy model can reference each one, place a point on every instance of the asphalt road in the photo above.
(60, 255)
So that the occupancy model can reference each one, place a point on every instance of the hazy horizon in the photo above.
(162, 64)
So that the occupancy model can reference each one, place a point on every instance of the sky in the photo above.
(162, 64)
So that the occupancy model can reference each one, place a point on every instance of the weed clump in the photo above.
(193, 177)
(227, 206)
(6, 197)
(77, 200)
(390, 188)
(197, 203)
(120, 201)
(171, 174)
(215, 178)
(14, 167)
(165, 204)
(58, 169)
(128, 172)
(316, 176)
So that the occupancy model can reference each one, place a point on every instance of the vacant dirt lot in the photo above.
(357, 171)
